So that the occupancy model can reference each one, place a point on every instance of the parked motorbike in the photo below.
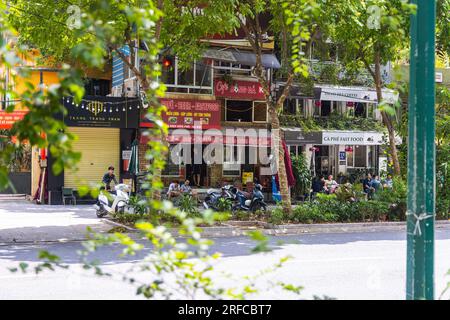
(213, 196)
(254, 204)
(108, 202)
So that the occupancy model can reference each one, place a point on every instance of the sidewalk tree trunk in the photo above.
(291, 21)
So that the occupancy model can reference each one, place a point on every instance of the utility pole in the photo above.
(421, 154)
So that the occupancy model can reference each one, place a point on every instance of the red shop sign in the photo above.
(8, 119)
(238, 89)
(189, 114)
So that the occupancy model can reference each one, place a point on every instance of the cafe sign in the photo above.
(352, 138)
(237, 89)
(7, 119)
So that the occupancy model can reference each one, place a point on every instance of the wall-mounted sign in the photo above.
(189, 114)
(342, 155)
(352, 138)
(8, 119)
(297, 137)
(247, 177)
(108, 112)
(237, 89)
(439, 77)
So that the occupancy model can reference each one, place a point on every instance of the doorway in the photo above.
(196, 168)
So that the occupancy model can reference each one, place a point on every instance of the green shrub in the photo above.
(224, 205)
(138, 204)
(302, 175)
(277, 215)
(188, 204)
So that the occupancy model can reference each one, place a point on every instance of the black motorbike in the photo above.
(254, 204)
(212, 199)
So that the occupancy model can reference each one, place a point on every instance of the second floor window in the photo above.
(195, 79)
(294, 106)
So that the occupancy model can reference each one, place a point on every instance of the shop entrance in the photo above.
(196, 169)
(100, 148)
(323, 160)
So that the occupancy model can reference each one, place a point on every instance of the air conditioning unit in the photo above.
(116, 91)
(130, 86)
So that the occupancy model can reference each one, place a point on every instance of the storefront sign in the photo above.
(297, 137)
(238, 89)
(352, 138)
(189, 114)
(126, 154)
(247, 177)
(108, 112)
(8, 119)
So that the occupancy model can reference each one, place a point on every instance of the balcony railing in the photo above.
(331, 72)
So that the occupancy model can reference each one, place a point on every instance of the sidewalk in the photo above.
(241, 228)
(26, 222)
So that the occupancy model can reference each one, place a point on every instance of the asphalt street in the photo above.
(342, 266)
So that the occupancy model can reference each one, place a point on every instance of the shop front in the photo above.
(188, 120)
(105, 128)
(336, 152)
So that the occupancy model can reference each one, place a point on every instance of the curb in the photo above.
(240, 228)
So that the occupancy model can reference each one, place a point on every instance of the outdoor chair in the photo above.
(67, 193)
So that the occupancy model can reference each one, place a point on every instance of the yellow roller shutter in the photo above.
(100, 148)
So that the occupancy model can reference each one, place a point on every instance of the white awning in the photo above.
(355, 94)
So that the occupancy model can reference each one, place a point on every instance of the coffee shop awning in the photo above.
(242, 57)
(353, 94)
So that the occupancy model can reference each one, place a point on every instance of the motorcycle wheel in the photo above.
(101, 213)
(259, 207)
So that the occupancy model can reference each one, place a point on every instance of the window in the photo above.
(195, 79)
(325, 108)
(290, 106)
(222, 68)
(294, 106)
(350, 156)
(237, 110)
(360, 110)
(171, 169)
(260, 111)
(295, 150)
(97, 87)
(357, 157)
(360, 156)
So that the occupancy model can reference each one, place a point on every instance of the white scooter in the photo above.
(112, 203)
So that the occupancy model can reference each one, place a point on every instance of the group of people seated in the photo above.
(175, 190)
(320, 185)
(371, 184)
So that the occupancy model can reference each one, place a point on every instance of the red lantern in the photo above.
(349, 149)
(318, 103)
(350, 104)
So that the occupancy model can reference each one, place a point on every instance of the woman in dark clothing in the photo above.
(318, 185)
(196, 172)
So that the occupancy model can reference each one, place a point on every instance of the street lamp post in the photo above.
(421, 154)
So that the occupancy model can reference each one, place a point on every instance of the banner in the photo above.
(189, 114)
(8, 119)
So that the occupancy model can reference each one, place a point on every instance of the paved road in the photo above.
(23, 221)
(343, 266)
